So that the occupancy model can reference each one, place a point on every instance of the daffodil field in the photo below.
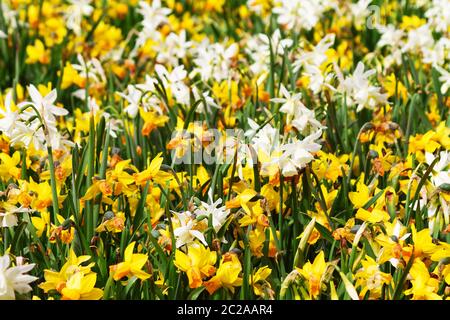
(224, 150)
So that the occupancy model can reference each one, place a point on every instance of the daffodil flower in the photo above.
(73, 281)
(14, 278)
(198, 263)
(131, 266)
(371, 279)
(424, 287)
(186, 233)
(313, 273)
(227, 275)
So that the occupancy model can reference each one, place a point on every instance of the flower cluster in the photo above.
(249, 149)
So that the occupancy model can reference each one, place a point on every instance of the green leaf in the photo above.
(194, 294)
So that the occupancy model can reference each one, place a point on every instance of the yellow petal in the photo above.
(182, 261)
(129, 252)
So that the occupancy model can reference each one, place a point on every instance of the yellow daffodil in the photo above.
(37, 53)
(8, 166)
(361, 196)
(423, 244)
(131, 266)
(151, 172)
(152, 120)
(373, 216)
(73, 281)
(259, 281)
(42, 223)
(198, 263)
(393, 87)
(423, 287)
(112, 222)
(313, 273)
(227, 275)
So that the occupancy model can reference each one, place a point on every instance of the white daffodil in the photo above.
(28, 128)
(266, 140)
(44, 105)
(148, 85)
(210, 103)
(219, 213)
(299, 14)
(185, 233)
(390, 36)
(419, 39)
(26, 135)
(174, 81)
(14, 279)
(10, 16)
(441, 170)
(260, 47)
(312, 61)
(113, 125)
(92, 70)
(153, 16)
(75, 12)
(298, 114)
(300, 151)
(254, 127)
(154, 13)
(393, 39)
(444, 78)
(360, 11)
(133, 97)
(289, 102)
(9, 117)
(213, 61)
(358, 89)
(8, 215)
(93, 105)
(149, 100)
(173, 48)
(438, 15)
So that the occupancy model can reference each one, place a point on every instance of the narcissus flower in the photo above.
(8, 214)
(74, 281)
(14, 279)
(361, 196)
(198, 263)
(186, 232)
(112, 222)
(81, 287)
(259, 281)
(313, 274)
(37, 53)
(219, 213)
(371, 279)
(152, 120)
(227, 275)
(424, 287)
(8, 166)
(151, 172)
(374, 216)
(358, 89)
(423, 246)
(131, 266)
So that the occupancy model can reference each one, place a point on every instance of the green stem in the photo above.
(24, 164)
(107, 287)
(91, 159)
(53, 184)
